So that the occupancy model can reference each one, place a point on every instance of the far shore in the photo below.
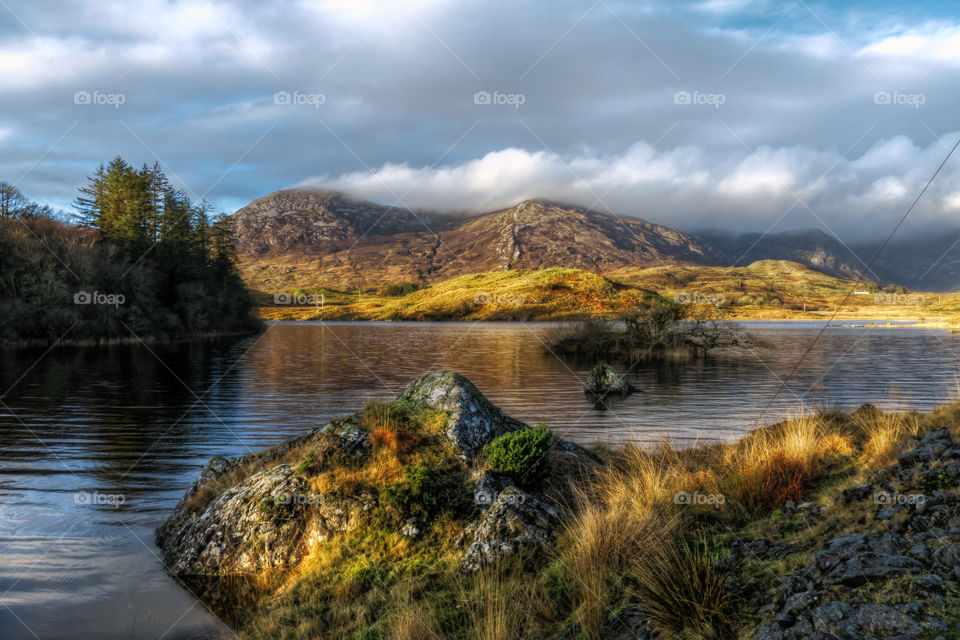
(857, 317)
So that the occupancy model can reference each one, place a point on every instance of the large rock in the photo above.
(248, 528)
(265, 520)
(251, 514)
(516, 520)
(473, 421)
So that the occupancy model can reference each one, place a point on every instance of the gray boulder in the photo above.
(267, 521)
(880, 619)
(473, 420)
(516, 520)
(250, 527)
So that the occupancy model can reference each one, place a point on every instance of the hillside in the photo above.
(316, 238)
(110, 280)
(306, 237)
(764, 290)
(558, 293)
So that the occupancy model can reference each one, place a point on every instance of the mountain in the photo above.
(299, 236)
(810, 247)
(924, 263)
(312, 237)
(307, 220)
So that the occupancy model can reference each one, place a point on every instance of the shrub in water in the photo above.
(522, 453)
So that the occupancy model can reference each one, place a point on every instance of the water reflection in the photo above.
(138, 423)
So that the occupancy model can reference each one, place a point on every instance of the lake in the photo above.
(97, 444)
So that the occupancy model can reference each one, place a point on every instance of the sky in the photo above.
(748, 115)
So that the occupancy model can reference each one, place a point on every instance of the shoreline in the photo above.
(823, 476)
(127, 340)
(844, 320)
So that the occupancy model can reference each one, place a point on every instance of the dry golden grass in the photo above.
(684, 592)
(883, 431)
(629, 524)
(627, 545)
(500, 603)
(415, 623)
(764, 290)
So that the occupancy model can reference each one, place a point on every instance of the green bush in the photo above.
(522, 453)
(417, 494)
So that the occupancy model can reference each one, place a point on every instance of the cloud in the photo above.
(687, 187)
(779, 94)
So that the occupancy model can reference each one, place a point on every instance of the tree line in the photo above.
(134, 237)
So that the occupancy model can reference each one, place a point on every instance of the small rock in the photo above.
(930, 581)
(602, 381)
(411, 528)
(885, 620)
(920, 551)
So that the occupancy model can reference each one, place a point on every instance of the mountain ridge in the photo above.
(335, 239)
(341, 238)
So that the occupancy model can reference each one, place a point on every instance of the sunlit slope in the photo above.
(765, 289)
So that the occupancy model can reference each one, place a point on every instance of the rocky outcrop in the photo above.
(257, 513)
(473, 421)
(268, 519)
(515, 520)
(909, 540)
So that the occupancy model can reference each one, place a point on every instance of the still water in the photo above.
(97, 444)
